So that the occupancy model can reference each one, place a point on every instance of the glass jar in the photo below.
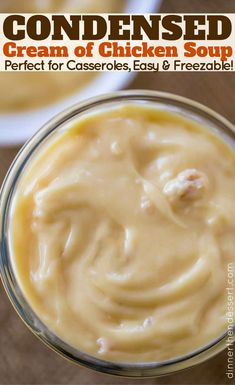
(173, 103)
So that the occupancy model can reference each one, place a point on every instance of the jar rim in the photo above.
(9, 280)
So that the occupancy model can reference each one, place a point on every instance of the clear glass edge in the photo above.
(146, 369)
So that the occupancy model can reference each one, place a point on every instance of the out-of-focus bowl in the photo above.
(16, 128)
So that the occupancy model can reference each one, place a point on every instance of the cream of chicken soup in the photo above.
(121, 231)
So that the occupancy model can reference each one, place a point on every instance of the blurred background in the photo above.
(24, 359)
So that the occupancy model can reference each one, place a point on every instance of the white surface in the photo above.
(17, 128)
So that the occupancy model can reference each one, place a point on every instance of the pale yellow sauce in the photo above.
(27, 90)
(121, 232)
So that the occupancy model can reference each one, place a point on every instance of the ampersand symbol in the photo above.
(166, 65)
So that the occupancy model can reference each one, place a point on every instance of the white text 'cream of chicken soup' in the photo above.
(121, 231)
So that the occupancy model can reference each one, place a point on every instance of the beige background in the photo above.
(24, 359)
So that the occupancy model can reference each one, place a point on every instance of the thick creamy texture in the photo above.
(122, 229)
(27, 90)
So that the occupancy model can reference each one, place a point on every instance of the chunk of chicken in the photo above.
(188, 184)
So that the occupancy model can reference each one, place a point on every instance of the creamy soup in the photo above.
(27, 90)
(121, 232)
